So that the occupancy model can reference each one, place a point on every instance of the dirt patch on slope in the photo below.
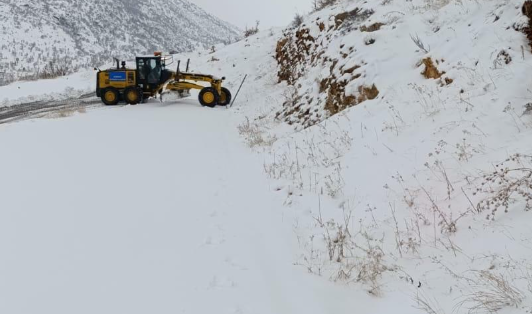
(431, 71)
(371, 28)
(308, 49)
(527, 11)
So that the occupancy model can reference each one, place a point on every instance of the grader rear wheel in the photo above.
(132, 95)
(110, 96)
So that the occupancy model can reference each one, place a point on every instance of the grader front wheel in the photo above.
(209, 97)
(225, 97)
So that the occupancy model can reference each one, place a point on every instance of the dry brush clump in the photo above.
(318, 5)
(508, 186)
(254, 135)
(354, 257)
(248, 32)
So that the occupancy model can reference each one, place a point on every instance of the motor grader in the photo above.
(152, 78)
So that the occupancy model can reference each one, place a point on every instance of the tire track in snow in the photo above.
(41, 108)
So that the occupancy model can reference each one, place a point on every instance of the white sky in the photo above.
(244, 13)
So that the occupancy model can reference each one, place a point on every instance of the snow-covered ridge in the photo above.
(62, 36)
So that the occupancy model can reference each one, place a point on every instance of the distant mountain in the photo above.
(46, 36)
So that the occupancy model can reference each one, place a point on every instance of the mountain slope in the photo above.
(39, 38)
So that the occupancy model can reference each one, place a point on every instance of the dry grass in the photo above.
(490, 293)
(254, 136)
(427, 304)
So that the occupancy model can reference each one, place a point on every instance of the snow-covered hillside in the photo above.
(377, 160)
(39, 38)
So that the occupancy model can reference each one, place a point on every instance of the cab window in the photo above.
(140, 68)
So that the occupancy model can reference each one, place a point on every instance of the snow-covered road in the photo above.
(157, 208)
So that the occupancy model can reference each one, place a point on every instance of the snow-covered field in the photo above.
(60, 88)
(156, 208)
(174, 208)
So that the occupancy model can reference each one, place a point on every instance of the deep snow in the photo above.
(154, 208)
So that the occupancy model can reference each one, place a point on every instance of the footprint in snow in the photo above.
(236, 310)
(234, 264)
(217, 283)
(210, 240)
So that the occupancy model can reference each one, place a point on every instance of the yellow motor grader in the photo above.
(152, 78)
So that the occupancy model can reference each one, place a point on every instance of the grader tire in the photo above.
(225, 97)
(209, 97)
(132, 95)
(110, 96)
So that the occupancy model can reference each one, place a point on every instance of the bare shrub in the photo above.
(429, 99)
(420, 44)
(248, 32)
(53, 69)
(350, 257)
(528, 109)
(490, 293)
(318, 5)
(371, 266)
(510, 183)
(503, 58)
(297, 21)
(354, 262)
(334, 182)
(337, 237)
